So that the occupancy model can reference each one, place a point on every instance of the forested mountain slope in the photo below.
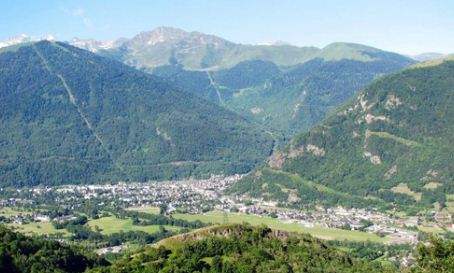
(391, 144)
(70, 116)
(287, 100)
(287, 88)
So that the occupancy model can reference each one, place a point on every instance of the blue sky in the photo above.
(405, 26)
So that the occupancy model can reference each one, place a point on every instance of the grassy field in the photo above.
(431, 229)
(404, 189)
(319, 232)
(11, 212)
(111, 225)
(151, 210)
(432, 185)
(42, 228)
(450, 206)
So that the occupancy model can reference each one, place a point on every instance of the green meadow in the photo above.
(109, 225)
(40, 228)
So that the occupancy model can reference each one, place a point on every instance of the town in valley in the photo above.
(200, 196)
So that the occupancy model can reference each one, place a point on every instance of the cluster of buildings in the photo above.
(201, 195)
(394, 228)
(31, 217)
(194, 195)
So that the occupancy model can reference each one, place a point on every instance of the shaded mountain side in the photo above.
(69, 116)
(218, 86)
(301, 97)
(289, 101)
(391, 143)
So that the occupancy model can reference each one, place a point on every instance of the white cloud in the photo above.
(76, 12)
(79, 13)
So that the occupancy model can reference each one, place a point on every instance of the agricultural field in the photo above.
(111, 224)
(151, 210)
(39, 228)
(319, 232)
(431, 228)
(11, 212)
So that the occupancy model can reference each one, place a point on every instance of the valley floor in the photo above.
(124, 215)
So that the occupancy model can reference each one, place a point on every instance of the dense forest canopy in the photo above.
(395, 134)
(70, 116)
(286, 100)
(22, 254)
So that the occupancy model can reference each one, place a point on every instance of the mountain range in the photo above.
(88, 118)
(285, 99)
(24, 38)
(192, 48)
(429, 56)
(199, 51)
(70, 116)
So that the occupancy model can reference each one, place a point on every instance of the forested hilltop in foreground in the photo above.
(70, 116)
(228, 248)
(20, 253)
(391, 144)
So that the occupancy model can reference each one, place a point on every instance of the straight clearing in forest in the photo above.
(398, 139)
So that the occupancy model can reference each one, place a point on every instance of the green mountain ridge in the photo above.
(285, 88)
(70, 116)
(387, 143)
(199, 51)
(285, 101)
